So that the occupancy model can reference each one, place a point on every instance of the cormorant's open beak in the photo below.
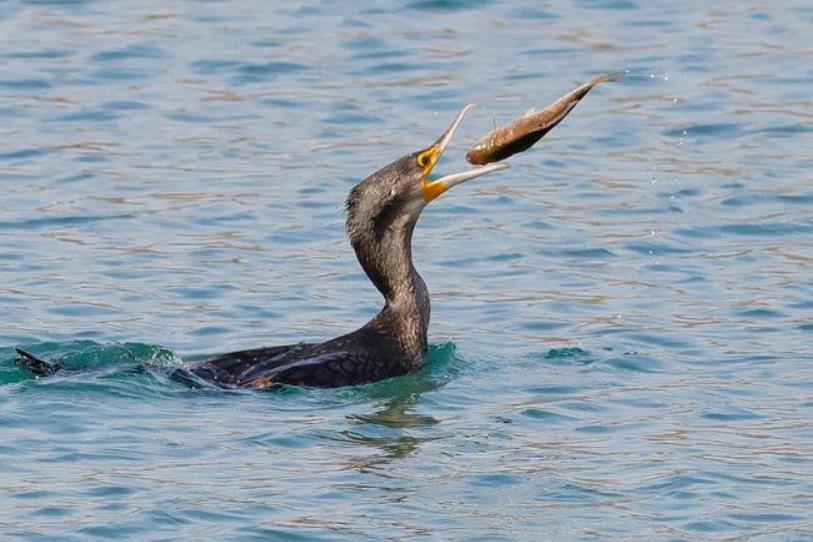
(428, 158)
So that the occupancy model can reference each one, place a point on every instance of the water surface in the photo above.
(621, 330)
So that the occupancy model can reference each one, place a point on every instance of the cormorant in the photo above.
(381, 214)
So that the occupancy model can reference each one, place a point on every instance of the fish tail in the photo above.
(607, 78)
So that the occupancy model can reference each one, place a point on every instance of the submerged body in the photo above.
(521, 134)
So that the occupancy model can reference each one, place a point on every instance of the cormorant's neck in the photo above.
(385, 254)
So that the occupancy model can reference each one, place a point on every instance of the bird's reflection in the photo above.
(392, 426)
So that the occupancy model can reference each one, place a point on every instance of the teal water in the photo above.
(622, 340)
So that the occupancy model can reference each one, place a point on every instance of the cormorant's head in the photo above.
(395, 195)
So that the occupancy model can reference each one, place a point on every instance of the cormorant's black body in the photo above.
(374, 352)
(381, 214)
(393, 343)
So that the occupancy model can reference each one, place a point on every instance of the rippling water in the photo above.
(622, 333)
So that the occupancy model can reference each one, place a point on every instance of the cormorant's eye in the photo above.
(423, 159)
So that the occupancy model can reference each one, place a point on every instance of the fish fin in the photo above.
(38, 367)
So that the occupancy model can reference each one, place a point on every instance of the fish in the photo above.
(521, 134)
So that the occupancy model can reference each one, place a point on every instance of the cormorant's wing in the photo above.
(318, 370)
(236, 368)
